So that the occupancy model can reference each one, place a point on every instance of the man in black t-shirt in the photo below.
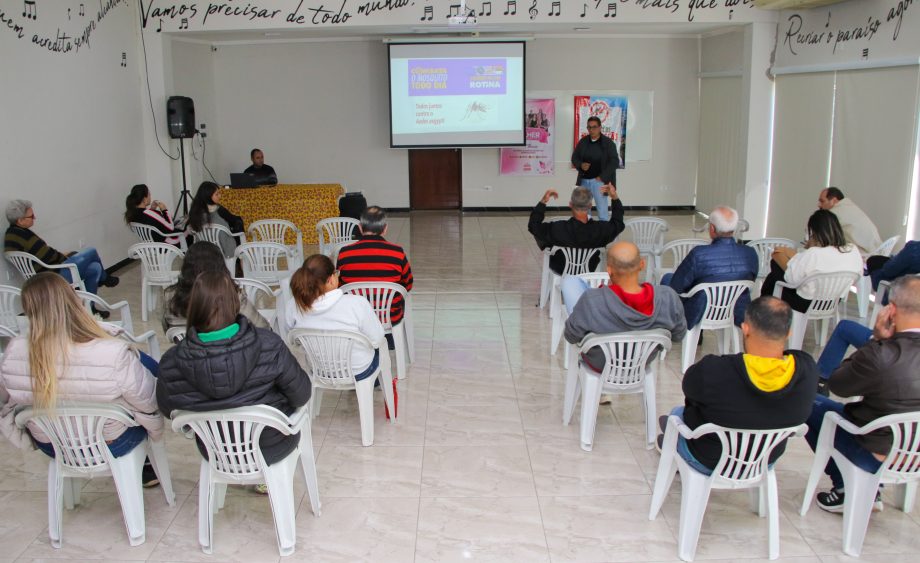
(263, 173)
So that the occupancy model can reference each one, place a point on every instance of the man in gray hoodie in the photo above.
(623, 306)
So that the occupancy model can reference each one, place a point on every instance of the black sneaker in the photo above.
(832, 501)
(109, 281)
(100, 313)
(149, 477)
(822, 387)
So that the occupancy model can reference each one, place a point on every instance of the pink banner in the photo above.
(537, 158)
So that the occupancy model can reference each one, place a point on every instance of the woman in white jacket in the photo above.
(319, 304)
(825, 251)
(68, 356)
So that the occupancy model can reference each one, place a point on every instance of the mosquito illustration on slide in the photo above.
(475, 111)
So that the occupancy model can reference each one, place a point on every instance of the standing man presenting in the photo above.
(263, 173)
(596, 159)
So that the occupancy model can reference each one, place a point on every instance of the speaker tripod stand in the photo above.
(185, 196)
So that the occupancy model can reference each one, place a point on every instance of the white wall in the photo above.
(72, 140)
(193, 76)
(319, 111)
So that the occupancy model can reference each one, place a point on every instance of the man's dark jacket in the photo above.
(575, 234)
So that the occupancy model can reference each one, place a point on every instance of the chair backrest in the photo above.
(720, 301)
(211, 233)
(146, 232)
(679, 249)
(10, 307)
(254, 290)
(328, 354)
(745, 453)
(903, 461)
(886, 247)
(76, 433)
(828, 288)
(26, 263)
(156, 260)
(577, 260)
(275, 230)
(335, 230)
(595, 279)
(261, 260)
(121, 307)
(380, 295)
(764, 248)
(231, 437)
(627, 355)
(647, 232)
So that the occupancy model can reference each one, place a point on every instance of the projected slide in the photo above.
(469, 94)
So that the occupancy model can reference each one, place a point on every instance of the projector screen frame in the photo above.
(471, 41)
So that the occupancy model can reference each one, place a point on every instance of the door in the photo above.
(435, 179)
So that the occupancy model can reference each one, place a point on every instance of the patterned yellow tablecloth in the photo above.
(302, 204)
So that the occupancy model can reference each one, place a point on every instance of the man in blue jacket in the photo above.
(722, 260)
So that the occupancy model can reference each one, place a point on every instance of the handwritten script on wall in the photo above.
(231, 14)
(80, 25)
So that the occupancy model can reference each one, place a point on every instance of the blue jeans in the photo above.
(90, 266)
(600, 200)
(846, 334)
(683, 449)
(375, 363)
(131, 437)
(844, 442)
(572, 287)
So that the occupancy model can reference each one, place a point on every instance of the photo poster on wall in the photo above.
(537, 158)
(612, 111)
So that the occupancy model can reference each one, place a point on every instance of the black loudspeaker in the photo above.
(180, 114)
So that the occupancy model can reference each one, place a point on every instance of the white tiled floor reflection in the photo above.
(478, 467)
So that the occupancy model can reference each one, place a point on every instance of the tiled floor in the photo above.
(478, 467)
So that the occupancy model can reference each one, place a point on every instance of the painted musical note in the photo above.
(428, 14)
(82, 11)
(159, 29)
(731, 13)
(124, 59)
(597, 4)
(184, 24)
(29, 9)
(68, 13)
(469, 16)
(483, 9)
(828, 24)
(611, 10)
(555, 9)
(532, 10)
(454, 10)
(584, 10)
(511, 8)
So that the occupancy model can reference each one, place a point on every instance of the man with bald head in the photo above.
(720, 261)
(623, 306)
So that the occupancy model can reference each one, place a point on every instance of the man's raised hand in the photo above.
(550, 194)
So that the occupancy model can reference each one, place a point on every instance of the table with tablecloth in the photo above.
(302, 204)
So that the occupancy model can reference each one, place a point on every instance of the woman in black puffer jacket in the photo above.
(225, 362)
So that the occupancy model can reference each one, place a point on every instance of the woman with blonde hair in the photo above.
(68, 356)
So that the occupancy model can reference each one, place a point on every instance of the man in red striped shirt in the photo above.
(374, 259)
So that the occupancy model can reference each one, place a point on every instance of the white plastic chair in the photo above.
(594, 280)
(719, 314)
(147, 233)
(157, 260)
(212, 233)
(257, 292)
(10, 308)
(744, 464)
(279, 231)
(864, 285)
(262, 261)
(577, 261)
(26, 265)
(901, 466)
(678, 250)
(231, 438)
(176, 334)
(829, 290)
(328, 363)
(380, 295)
(335, 230)
(764, 248)
(121, 308)
(629, 367)
(648, 235)
(546, 275)
(881, 293)
(76, 433)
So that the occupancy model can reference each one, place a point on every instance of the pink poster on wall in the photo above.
(536, 159)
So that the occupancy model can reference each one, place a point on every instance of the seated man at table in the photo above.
(374, 259)
(261, 172)
(20, 237)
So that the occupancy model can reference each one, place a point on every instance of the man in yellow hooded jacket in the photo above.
(765, 387)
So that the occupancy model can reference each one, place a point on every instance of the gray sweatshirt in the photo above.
(600, 311)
